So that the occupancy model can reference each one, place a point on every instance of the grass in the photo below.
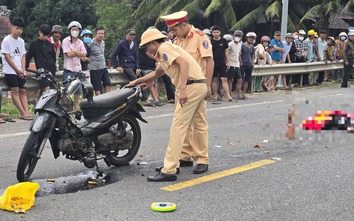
(8, 107)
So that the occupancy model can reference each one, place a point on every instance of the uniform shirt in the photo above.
(276, 55)
(348, 50)
(72, 64)
(219, 47)
(98, 62)
(234, 52)
(43, 54)
(16, 49)
(322, 47)
(197, 44)
(167, 53)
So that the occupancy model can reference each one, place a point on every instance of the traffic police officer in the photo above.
(348, 57)
(197, 44)
(189, 80)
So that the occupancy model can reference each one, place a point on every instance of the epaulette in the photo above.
(199, 32)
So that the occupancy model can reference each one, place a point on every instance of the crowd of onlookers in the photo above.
(234, 57)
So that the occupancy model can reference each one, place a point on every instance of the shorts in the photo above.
(246, 72)
(13, 80)
(99, 76)
(43, 83)
(220, 71)
(66, 75)
(234, 73)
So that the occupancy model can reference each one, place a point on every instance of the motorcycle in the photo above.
(105, 128)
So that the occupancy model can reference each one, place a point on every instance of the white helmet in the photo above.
(251, 34)
(228, 37)
(207, 31)
(74, 24)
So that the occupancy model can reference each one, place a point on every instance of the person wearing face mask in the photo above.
(73, 50)
(301, 52)
(44, 56)
(234, 73)
(310, 56)
(86, 37)
(247, 61)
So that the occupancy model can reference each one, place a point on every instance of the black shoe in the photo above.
(161, 177)
(184, 163)
(200, 168)
(158, 169)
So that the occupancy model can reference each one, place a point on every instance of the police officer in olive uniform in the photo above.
(348, 57)
(197, 44)
(191, 89)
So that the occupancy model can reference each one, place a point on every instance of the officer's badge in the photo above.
(205, 44)
(165, 57)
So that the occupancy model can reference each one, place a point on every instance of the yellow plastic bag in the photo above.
(19, 197)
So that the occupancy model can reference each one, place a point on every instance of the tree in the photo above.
(52, 12)
(323, 10)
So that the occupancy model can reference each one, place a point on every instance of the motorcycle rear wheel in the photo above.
(134, 127)
(28, 159)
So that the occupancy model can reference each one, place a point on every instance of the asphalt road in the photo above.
(310, 178)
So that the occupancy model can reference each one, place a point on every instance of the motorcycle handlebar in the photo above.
(32, 71)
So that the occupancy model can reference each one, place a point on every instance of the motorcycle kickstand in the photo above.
(98, 169)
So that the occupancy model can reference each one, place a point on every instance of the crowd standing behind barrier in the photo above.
(319, 55)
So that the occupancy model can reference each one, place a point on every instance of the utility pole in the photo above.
(284, 18)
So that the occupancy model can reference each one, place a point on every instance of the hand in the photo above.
(20, 73)
(138, 71)
(228, 65)
(120, 70)
(132, 83)
(182, 96)
(346, 63)
(146, 85)
(207, 96)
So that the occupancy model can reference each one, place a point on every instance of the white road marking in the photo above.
(169, 115)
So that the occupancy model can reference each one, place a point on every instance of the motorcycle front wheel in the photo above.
(124, 157)
(28, 159)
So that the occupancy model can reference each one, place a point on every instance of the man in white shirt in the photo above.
(14, 52)
(322, 47)
(235, 72)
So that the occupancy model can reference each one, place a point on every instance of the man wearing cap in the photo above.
(56, 33)
(128, 60)
(277, 56)
(198, 45)
(191, 89)
(44, 56)
(348, 56)
(288, 43)
(310, 54)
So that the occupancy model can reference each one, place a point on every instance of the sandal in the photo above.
(150, 105)
(9, 120)
(26, 118)
(2, 121)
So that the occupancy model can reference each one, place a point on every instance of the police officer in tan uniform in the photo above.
(197, 44)
(191, 89)
(348, 58)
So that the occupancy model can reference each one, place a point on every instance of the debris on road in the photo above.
(266, 152)
(51, 180)
(266, 141)
(142, 163)
(257, 146)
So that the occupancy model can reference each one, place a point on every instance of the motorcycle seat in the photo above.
(108, 100)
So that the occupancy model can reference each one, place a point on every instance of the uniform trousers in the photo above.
(192, 114)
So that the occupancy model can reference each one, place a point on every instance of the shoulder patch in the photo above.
(205, 44)
(199, 32)
(165, 57)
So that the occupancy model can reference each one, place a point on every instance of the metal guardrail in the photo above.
(258, 71)
(116, 79)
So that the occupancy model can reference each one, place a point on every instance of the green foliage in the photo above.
(53, 12)
(116, 17)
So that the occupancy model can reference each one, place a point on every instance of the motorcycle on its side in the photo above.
(105, 128)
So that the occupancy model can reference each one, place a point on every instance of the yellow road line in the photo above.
(217, 175)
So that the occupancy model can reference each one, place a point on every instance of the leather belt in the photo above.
(195, 81)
